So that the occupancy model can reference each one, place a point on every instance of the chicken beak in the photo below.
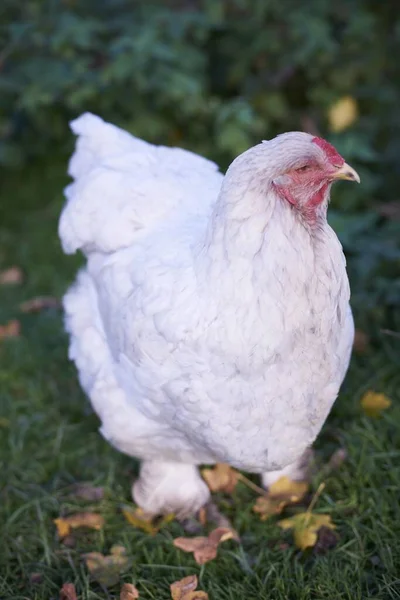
(346, 172)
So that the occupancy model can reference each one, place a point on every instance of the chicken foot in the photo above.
(170, 487)
(299, 470)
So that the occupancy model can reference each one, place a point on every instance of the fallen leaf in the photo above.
(11, 276)
(305, 527)
(39, 303)
(282, 492)
(129, 592)
(374, 404)
(185, 589)
(10, 330)
(65, 524)
(286, 488)
(326, 540)
(304, 538)
(361, 341)
(106, 570)
(267, 507)
(221, 478)
(205, 548)
(68, 592)
(138, 518)
(85, 491)
(342, 114)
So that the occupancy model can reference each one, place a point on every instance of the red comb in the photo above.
(331, 153)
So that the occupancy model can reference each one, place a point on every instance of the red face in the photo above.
(307, 185)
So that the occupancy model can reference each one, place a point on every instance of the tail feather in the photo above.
(123, 186)
(97, 141)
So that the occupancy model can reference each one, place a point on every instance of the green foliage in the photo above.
(216, 76)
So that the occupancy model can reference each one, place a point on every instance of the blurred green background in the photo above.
(217, 76)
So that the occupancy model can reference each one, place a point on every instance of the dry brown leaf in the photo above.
(65, 524)
(68, 592)
(39, 303)
(361, 342)
(10, 330)
(85, 491)
(185, 589)
(205, 548)
(374, 404)
(342, 114)
(267, 507)
(282, 492)
(11, 276)
(327, 539)
(305, 527)
(129, 592)
(221, 478)
(138, 518)
(107, 569)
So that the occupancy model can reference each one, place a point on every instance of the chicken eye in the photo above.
(302, 169)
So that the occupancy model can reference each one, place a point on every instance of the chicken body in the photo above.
(211, 323)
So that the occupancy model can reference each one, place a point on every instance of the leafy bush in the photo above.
(215, 76)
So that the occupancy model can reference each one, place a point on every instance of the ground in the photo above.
(49, 439)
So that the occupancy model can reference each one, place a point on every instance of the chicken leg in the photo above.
(170, 487)
(299, 470)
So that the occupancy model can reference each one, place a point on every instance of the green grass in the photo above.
(49, 439)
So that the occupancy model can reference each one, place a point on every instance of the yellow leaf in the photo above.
(63, 528)
(373, 404)
(288, 489)
(304, 538)
(138, 518)
(306, 526)
(107, 569)
(65, 524)
(282, 492)
(342, 114)
(185, 589)
(129, 592)
(221, 478)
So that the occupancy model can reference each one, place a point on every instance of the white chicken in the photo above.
(212, 320)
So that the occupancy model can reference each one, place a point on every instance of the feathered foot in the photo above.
(166, 487)
(300, 470)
